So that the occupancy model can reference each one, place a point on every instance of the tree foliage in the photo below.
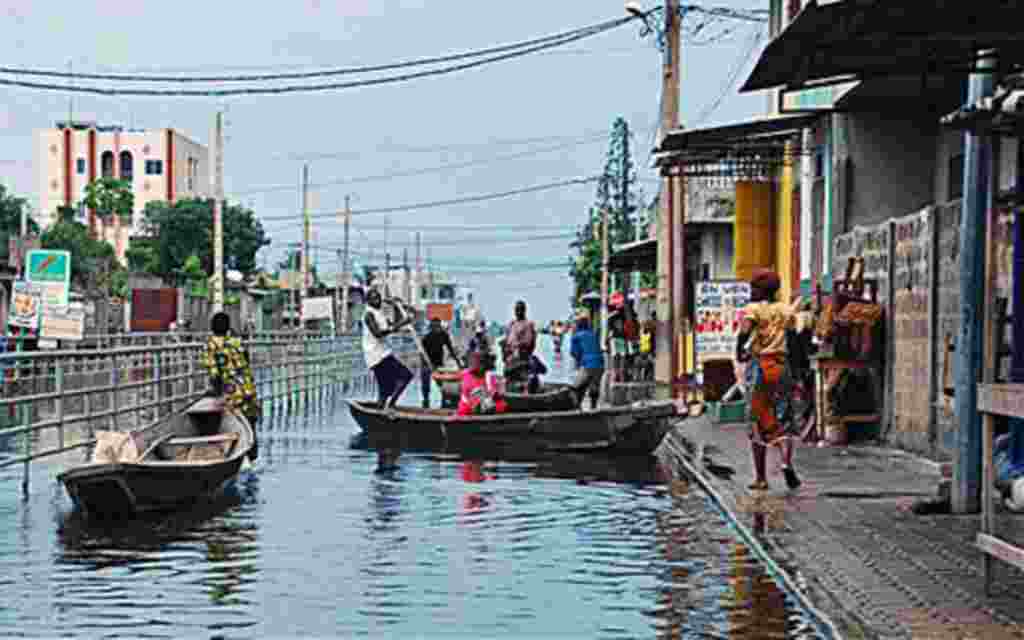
(109, 197)
(94, 266)
(617, 192)
(185, 228)
(11, 207)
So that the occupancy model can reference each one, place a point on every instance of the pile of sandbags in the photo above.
(113, 447)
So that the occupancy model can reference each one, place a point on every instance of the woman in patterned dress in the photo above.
(231, 375)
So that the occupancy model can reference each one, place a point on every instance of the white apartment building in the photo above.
(160, 164)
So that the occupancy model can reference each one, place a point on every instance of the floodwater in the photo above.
(320, 540)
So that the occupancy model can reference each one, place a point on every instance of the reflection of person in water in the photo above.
(473, 471)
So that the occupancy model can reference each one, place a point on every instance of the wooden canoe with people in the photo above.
(550, 397)
(627, 430)
(191, 456)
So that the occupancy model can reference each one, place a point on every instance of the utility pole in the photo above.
(671, 305)
(978, 161)
(604, 278)
(419, 266)
(387, 274)
(346, 266)
(306, 227)
(218, 220)
(406, 289)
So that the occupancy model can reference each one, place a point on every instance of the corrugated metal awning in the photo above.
(850, 39)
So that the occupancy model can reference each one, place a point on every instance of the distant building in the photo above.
(161, 164)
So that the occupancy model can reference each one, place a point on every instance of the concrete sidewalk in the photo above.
(849, 543)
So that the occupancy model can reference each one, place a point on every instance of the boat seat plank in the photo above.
(220, 437)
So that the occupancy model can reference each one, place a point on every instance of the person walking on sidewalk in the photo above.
(762, 342)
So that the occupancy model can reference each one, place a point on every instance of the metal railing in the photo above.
(52, 402)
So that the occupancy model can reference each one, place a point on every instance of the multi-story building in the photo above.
(160, 164)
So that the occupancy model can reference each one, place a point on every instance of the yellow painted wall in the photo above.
(784, 232)
(753, 231)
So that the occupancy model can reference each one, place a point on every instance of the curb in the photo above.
(822, 620)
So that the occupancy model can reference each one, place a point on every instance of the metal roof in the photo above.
(848, 39)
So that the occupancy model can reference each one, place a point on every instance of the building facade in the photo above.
(160, 164)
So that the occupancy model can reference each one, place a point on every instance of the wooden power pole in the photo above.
(671, 307)
(218, 213)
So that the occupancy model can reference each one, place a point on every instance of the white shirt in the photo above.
(375, 349)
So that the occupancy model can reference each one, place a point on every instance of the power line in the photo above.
(442, 203)
(325, 73)
(741, 62)
(334, 86)
(464, 241)
(426, 170)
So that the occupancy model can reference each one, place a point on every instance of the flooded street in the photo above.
(319, 540)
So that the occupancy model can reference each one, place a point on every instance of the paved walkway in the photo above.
(849, 542)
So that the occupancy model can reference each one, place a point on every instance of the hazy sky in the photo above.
(472, 116)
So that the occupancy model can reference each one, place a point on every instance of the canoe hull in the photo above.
(160, 480)
(618, 430)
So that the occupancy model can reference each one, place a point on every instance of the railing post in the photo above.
(158, 376)
(58, 402)
(115, 383)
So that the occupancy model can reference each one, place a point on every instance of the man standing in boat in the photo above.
(520, 342)
(434, 344)
(392, 376)
(231, 374)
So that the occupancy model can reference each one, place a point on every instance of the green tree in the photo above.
(185, 228)
(109, 198)
(143, 256)
(11, 207)
(617, 192)
(93, 263)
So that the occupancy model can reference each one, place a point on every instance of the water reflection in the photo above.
(117, 575)
(329, 542)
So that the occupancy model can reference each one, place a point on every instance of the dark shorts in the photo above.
(390, 373)
(588, 381)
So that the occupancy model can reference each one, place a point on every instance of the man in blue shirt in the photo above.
(586, 352)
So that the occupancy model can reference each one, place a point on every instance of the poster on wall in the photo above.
(51, 270)
(26, 305)
(718, 305)
(911, 316)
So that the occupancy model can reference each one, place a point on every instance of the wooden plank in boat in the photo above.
(220, 437)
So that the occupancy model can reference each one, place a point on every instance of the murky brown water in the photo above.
(319, 542)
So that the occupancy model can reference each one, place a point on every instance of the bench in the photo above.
(220, 437)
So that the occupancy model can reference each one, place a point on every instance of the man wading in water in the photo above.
(392, 376)
(764, 328)
(230, 374)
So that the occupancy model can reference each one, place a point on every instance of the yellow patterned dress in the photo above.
(231, 375)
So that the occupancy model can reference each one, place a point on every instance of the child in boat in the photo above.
(477, 397)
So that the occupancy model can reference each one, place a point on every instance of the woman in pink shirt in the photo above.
(476, 398)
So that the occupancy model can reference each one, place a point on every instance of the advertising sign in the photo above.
(719, 308)
(63, 323)
(51, 270)
(442, 311)
(318, 308)
(26, 304)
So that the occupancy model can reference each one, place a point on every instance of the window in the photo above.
(955, 188)
(191, 173)
(154, 167)
(126, 166)
(80, 166)
(107, 164)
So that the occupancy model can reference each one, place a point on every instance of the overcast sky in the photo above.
(557, 97)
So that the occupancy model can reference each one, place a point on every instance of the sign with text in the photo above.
(63, 323)
(51, 270)
(318, 308)
(26, 304)
(719, 308)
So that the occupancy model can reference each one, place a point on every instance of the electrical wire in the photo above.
(741, 62)
(462, 242)
(334, 86)
(426, 170)
(326, 73)
(440, 203)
